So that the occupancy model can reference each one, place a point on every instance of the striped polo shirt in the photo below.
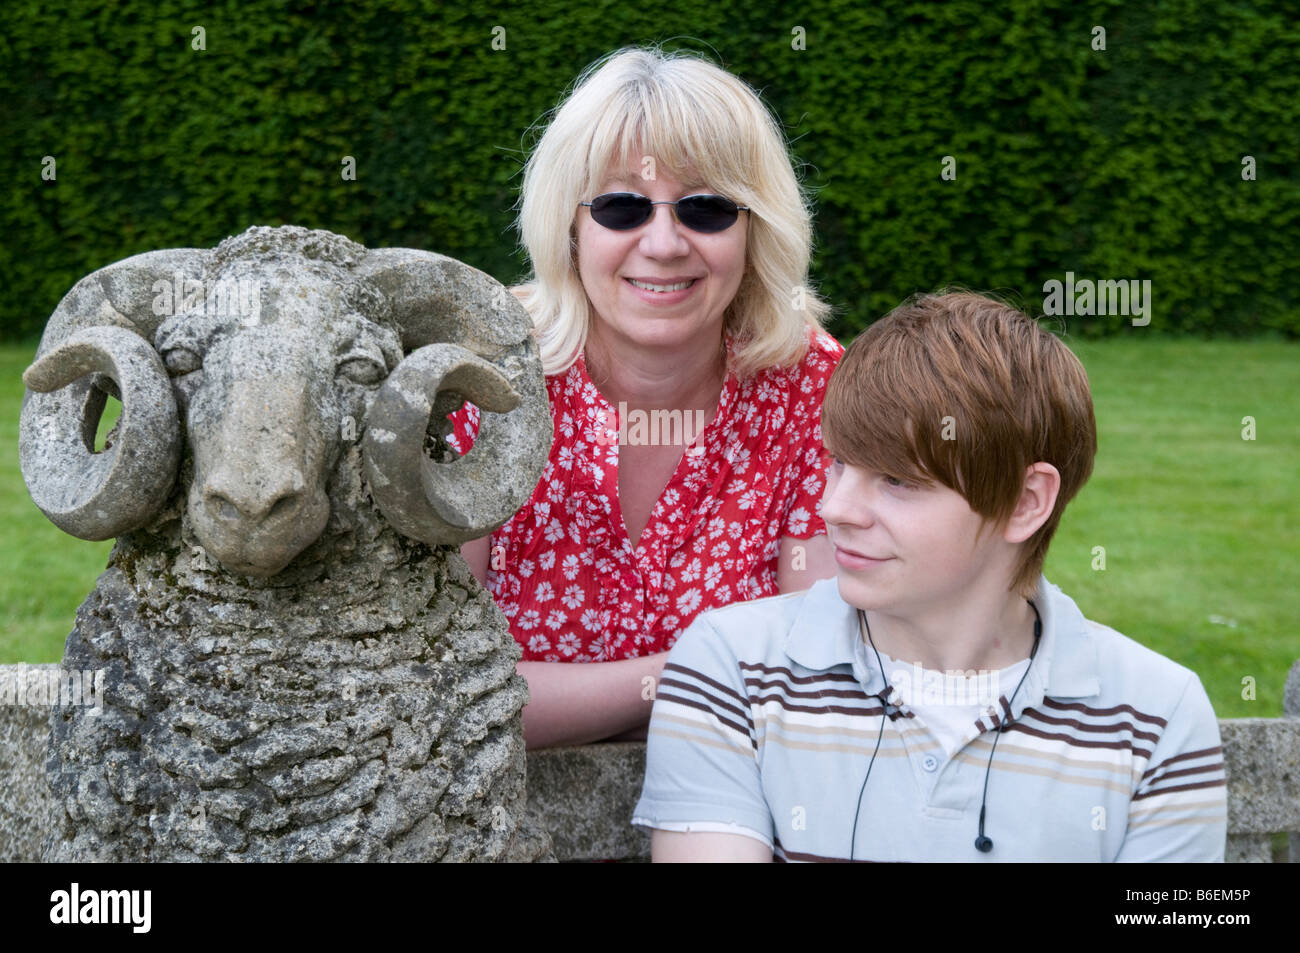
(768, 712)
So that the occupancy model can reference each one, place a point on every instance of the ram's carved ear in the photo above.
(466, 336)
(99, 340)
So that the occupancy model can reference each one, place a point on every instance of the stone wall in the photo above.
(585, 795)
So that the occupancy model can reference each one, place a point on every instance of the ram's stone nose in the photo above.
(258, 497)
(245, 500)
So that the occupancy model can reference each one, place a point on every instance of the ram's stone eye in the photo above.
(181, 360)
(362, 370)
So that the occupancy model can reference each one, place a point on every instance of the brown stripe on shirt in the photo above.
(712, 683)
(1086, 726)
(710, 710)
(760, 684)
(1203, 753)
(1078, 742)
(1213, 766)
(740, 711)
(1221, 782)
(875, 711)
(1079, 706)
(799, 679)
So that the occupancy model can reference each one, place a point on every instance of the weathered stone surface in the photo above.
(26, 804)
(1291, 694)
(1262, 761)
(584, 795)
(1248, 849)
(297, 664)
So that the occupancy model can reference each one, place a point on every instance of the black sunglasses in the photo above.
(701, 213)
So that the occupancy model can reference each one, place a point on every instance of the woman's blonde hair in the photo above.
(696, 121)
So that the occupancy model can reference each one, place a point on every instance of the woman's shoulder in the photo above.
(812, 371)
(783, 402)
(824, 341)
(824, 352)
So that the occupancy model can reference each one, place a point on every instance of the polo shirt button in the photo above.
(929, 762)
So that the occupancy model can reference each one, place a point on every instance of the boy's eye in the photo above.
(895, 481)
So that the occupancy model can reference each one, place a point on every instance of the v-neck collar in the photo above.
(602, 428)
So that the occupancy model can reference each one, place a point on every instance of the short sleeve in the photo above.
(701, 748)
(1179, 811)
(464, 428)
(802, 516)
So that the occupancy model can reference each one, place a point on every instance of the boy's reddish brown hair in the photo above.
(967, 391)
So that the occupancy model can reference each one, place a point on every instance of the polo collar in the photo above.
(825, 634)
(1072, 668)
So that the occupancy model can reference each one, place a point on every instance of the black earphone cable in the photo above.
(983, 843)
(884, 713)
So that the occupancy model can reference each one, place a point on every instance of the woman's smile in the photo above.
(662, 292)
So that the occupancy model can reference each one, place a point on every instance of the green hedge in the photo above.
(1123, 163)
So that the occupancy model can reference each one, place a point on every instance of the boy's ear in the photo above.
(1037, 499)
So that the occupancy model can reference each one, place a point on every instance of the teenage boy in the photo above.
(938, 700)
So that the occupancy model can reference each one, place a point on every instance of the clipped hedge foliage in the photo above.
(1117, 163)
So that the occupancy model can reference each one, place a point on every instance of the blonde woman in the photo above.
(685, 362)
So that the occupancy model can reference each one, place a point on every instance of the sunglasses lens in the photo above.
(620, 210)
(707, 213)
(703, 213)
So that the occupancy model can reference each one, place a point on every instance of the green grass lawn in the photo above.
(1199, 526)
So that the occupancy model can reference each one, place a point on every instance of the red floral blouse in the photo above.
(563, 570)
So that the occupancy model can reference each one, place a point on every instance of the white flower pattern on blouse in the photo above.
(563, 570)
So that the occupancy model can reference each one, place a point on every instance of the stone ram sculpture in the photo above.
(297, 662)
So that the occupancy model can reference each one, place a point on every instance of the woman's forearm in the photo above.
(572, 704)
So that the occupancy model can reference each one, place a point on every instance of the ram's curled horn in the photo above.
(463, 333)
(101, 495)
(99, 341)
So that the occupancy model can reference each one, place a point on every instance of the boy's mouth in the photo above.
(853, 560)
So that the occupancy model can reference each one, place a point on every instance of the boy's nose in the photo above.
(846, 500)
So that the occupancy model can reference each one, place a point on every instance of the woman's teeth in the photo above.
(662, 288)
